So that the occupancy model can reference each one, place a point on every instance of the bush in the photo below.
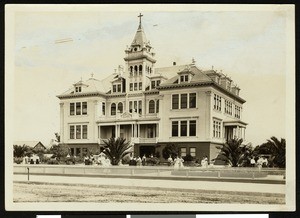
(52, 161)
(152, 161)
(18, 160)
(126, 159)
(188, 158)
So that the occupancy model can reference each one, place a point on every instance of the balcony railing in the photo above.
(135, 140)
(148, 140)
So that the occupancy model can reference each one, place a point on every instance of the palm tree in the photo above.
(233, 152)
(116, 149)
(276, 148)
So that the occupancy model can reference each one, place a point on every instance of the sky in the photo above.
(248, 45)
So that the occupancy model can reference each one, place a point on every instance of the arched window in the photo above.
(157, 106)
(135, 70)
(131, 69)
(113, 109)
(120, 107)
(140, 69)
(151, 106)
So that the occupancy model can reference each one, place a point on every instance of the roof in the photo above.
(92, 85)
(140, 37)
(31, 144)
(199, 76)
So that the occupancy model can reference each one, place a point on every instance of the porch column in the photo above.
(156, 131)
(131, 130)
(116, 131)
(139, 130)
(62, 122)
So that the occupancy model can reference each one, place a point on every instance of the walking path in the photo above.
(157, 183)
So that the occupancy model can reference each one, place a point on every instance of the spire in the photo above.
(140, 37)
(140, 25)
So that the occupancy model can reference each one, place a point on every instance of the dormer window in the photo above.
(184, 78)
(155, 83)
(117, 88)
(78, 89)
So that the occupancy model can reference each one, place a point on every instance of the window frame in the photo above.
(113, 112)
(151, 107)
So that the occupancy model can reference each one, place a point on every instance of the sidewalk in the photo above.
(157, 183)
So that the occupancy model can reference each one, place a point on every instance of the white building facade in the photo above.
(152, 107)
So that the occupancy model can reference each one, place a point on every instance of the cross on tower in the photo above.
(140, 16)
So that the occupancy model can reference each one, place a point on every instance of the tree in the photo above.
(170, 149)
(233, 152)
(276, 149)
(116, 149)
(59, 151)
(22, 150)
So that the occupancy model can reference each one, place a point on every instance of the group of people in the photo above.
(261, 162)
(177, 162)
(100, 159)
(31, 160)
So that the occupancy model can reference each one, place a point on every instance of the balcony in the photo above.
(135, 140)
(148, 140)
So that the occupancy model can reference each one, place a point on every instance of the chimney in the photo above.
(174, 63)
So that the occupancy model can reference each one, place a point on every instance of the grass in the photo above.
(49, 192)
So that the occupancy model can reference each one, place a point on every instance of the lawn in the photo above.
(49, 192)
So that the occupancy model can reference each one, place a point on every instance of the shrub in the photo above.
(18, 160)
(152, 161)
(52, 161)
(170, 149)
(188, 158)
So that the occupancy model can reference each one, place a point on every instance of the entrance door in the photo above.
(147, 150)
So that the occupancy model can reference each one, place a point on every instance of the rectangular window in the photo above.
(114, 88)
(193, 152)
(72, 108)
(140, 106)
(84, 131)
(130, 107)
(135, 86)
(175, 101)
(131, 87)
(182, 78)
(78, 132)
(217, 129)
(135, 106)
(152, 84)
(103, 108)
(192, 127)
(183, 101)
(72, 131)
(183, 152)
(186, 78)
(84, 108)
(157, 82)
(192, 99)
(119, 87)
(174, 128)
(78, 108)
(183, 128)
(140, 85)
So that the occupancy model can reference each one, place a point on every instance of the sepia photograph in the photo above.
(150, 107)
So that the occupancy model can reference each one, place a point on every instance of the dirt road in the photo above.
(49, 192)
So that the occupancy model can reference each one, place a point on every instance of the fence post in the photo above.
(27, 174)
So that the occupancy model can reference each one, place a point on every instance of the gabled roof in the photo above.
(198, 75)
(92, 85)
(31, 144)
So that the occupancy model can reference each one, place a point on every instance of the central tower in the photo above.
(139, 61)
